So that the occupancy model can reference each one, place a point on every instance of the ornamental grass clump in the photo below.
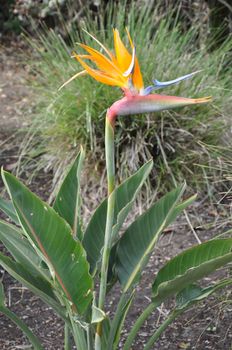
(72, 267)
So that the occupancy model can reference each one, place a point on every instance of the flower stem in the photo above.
(138, 324)
(162, 328)
(109, 150)
(110, 166)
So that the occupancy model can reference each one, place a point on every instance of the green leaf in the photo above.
(194, 293)
(67, 203)
(36, 284)
(179, 208)
(32, 282)
(135, 246)
(125, 195)
(52, 236)
(22, 251)
(98, 315)
(8, 208)
(189, 295)
(189, 266)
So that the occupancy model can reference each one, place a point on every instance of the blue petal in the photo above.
(158, 84)
(147, 90)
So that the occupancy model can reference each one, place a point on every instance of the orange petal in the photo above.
(137, 76)
(101, 61)
(122, 55)
(102, 77)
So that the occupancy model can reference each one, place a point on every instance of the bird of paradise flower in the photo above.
(122, 69)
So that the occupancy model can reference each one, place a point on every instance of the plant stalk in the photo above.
(78, 335)
(138, 324)
(162, 328)
(110, 166)
(118, 320)
(89, 338)
(67, 343)
(31, 337)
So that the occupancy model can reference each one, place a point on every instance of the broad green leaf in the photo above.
(125, 195)
(191, 265)
(180, 207)
(20, 273)
(8, 208)
(135, 246)
(68, 201)
(22, 251)
(112, 277)
(52, 236)
(194, 293)
(36, 284)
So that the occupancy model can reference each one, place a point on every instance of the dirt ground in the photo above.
(207, 326)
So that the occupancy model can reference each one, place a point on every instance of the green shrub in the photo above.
(186, 144)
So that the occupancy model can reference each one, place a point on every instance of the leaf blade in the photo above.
(67, 202)
(38, 286)
(8, 208)
(19, 247)
(191, 265)
(125, 195)
(135, 246)
(194, 293)
(51, 236)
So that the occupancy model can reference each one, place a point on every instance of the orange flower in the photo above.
(122, 69)
(119, 69)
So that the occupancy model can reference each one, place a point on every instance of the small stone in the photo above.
(183, 345)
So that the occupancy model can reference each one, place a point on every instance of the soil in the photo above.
(207, 326)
